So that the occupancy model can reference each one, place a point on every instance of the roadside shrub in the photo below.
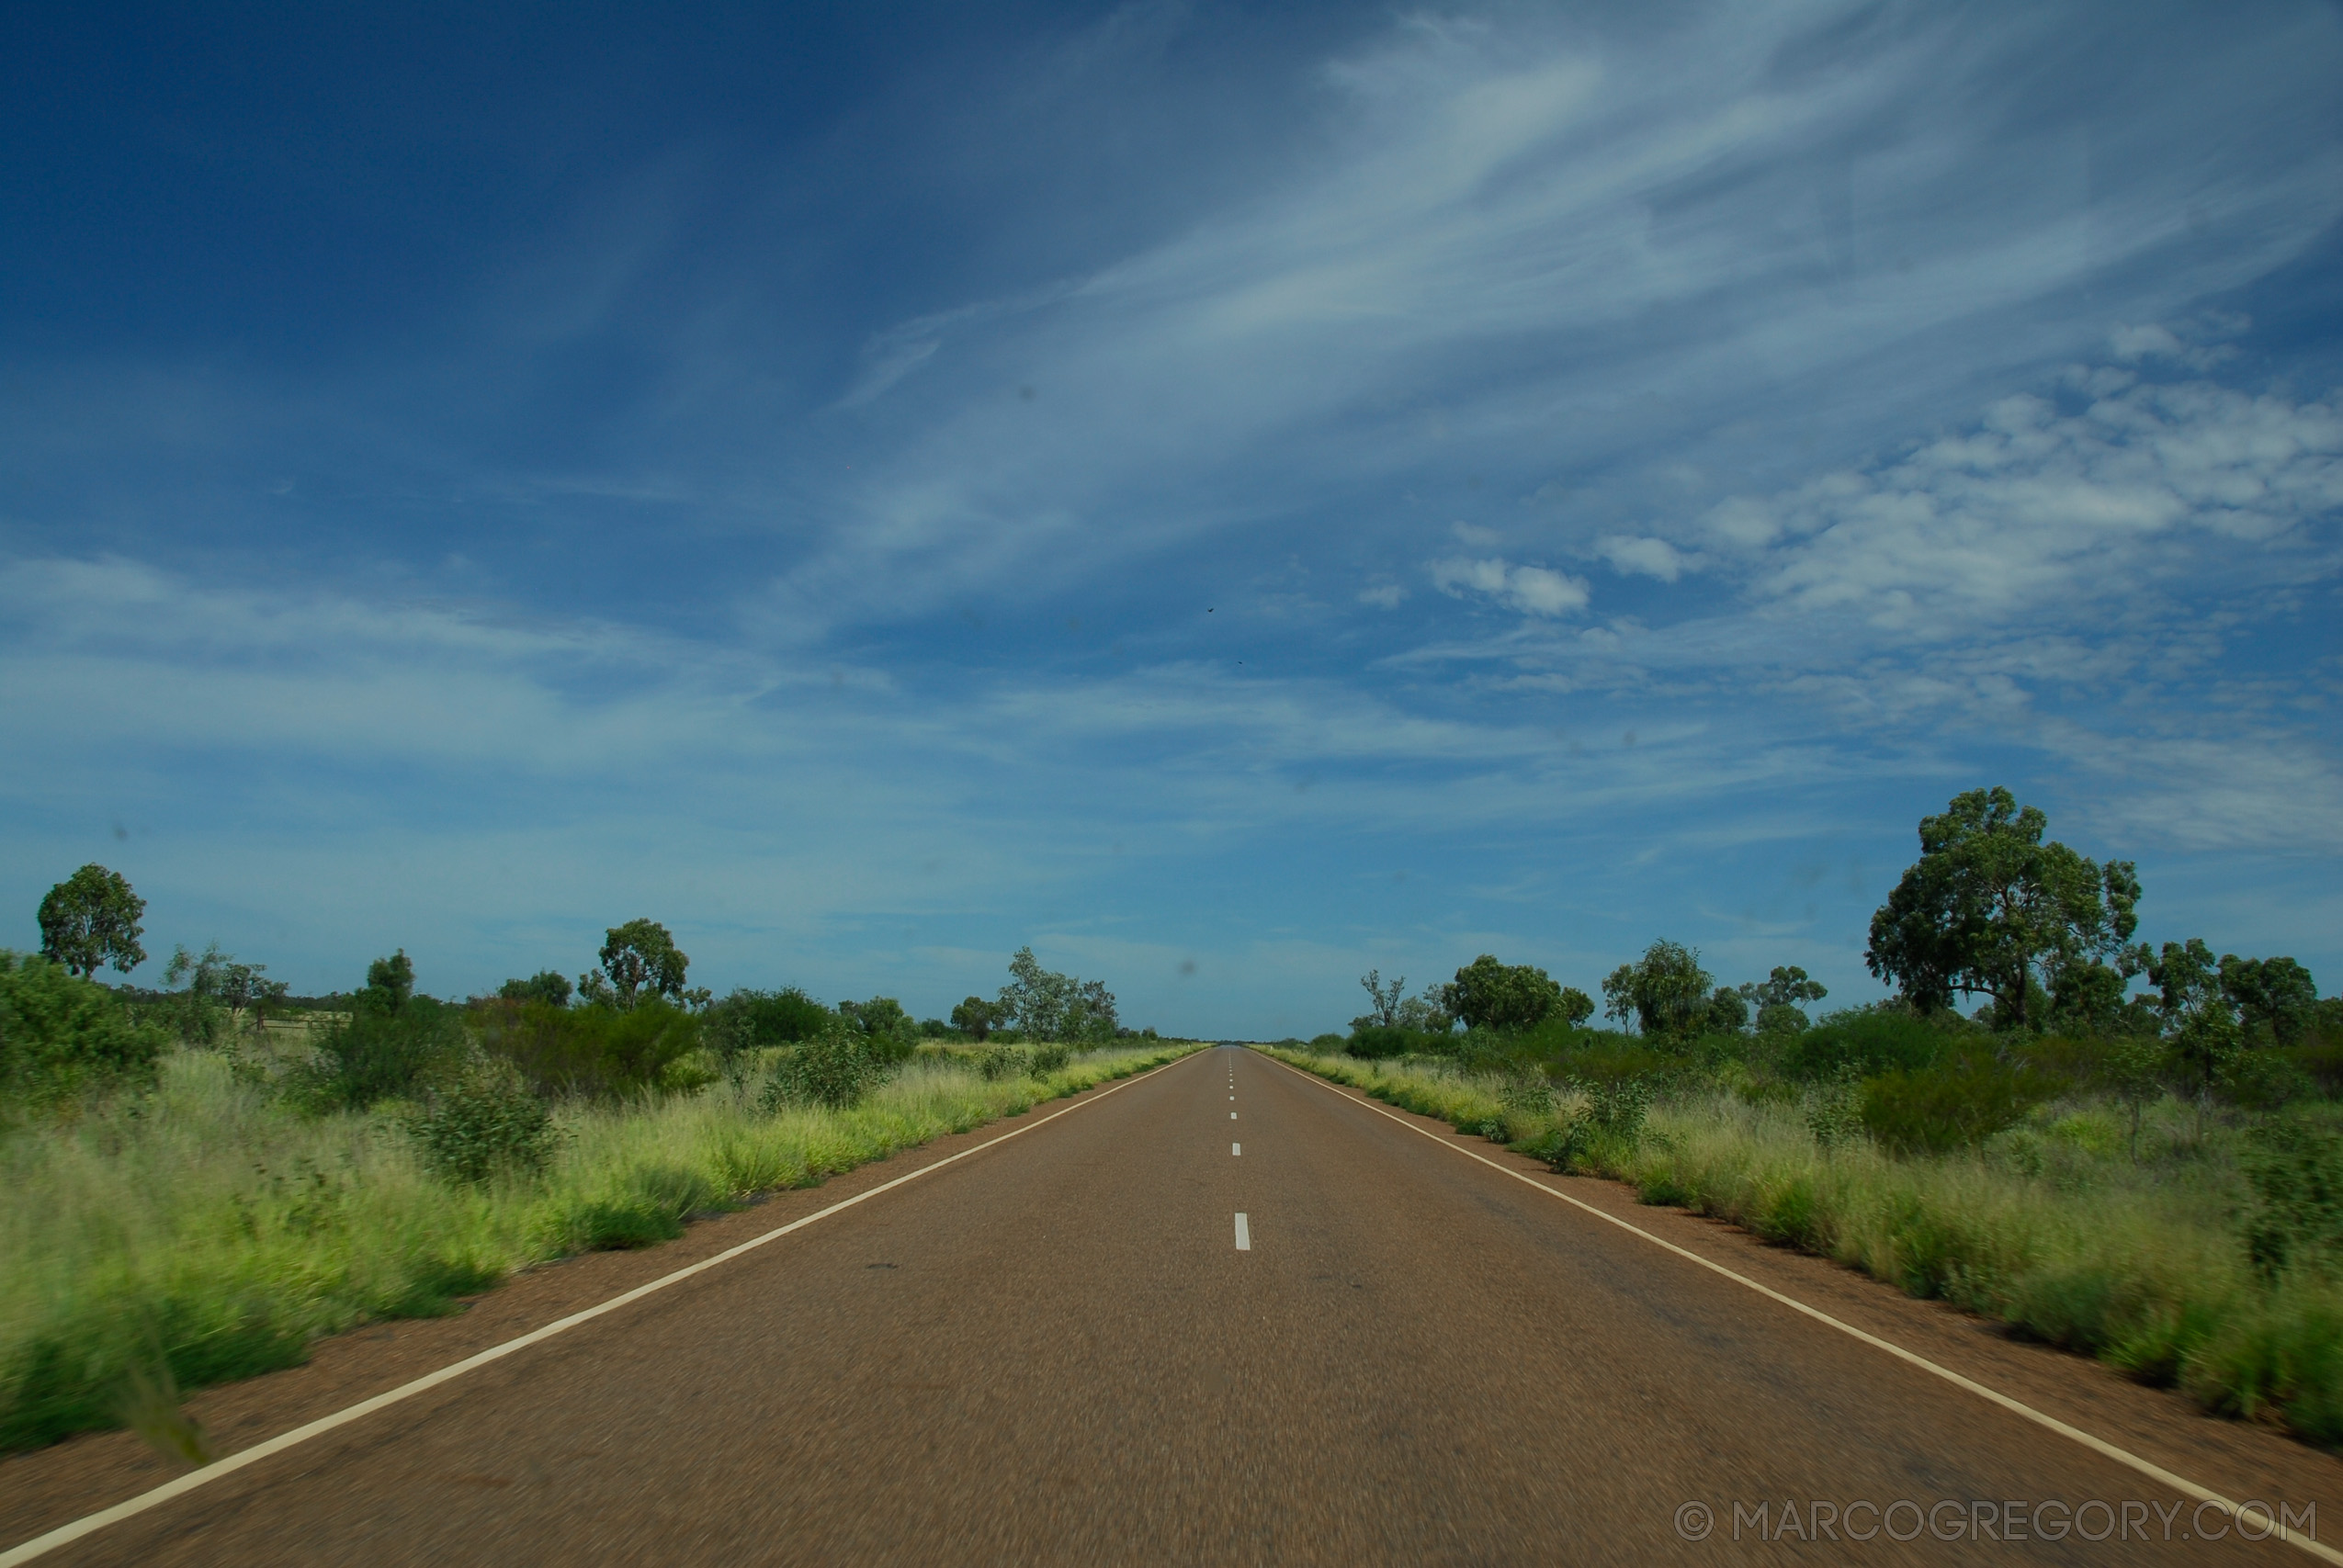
(482, 1122)
(997, 1062)
(770, 1018)
(2296, 1171)
(1955, 1105)
(602, 1053)
(1326, 1044)
(373, 1055)
(62, 1036)
(835, 1068)
(1870, 1043)
(1617, 1059)
(1377, 1041)
(1597, 1124)
(1048, 1058)
(1834, 1112)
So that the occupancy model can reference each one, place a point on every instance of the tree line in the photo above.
(2038, 939)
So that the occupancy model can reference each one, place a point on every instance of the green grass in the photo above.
(2052, 1229)
(206, 1232)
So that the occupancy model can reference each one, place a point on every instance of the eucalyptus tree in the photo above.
(91, 920)
(1991, 910)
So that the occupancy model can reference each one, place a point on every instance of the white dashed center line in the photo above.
(1236, 1148)
(1244, 1234)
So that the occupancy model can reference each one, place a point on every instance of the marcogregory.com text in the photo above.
(1954, 1518)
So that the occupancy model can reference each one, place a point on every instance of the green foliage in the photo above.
(547, 986)
(1048, 1057)
(91, 920)
(1728, 1012)
(886, 1028)
(835, 1068)
(2275, 997)
(64, 1037)
(769, 1017)
(381, 1053)
(390, 984)
(482, 1122)
(1957, 1103)
(1504, 997)
(2296, 1172)
(639, 959)
(1574, 1007)
(1375, 1042)
(1990, 908)
(1666, 991)
(1044, 1005)
(1385, 1014)
(1870, 1041)
(596, 1052)
(2199, 1018)
(975, 1016)
(997, 1062)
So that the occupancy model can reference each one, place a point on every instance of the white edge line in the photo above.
(66, 1534)
(2097, 1445)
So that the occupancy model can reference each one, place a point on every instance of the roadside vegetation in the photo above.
(2150, 1174)
(196, 1182)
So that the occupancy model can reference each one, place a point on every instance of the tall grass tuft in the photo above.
(204, 1231)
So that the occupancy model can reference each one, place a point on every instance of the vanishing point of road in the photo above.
(1230, 1313)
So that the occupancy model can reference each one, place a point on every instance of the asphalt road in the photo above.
(1055, 1352)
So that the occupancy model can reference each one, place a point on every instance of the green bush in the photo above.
(1957, 1104)
(835, 1068)
(1377, 1041)
(373, 1055)
(483, 1122)
(598, 1052)
(1870, 1043)
(62, 1037)
(997, 1062)
(1048, 1058)
(2296, 1171)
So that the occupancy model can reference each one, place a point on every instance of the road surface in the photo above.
(1230, 1313)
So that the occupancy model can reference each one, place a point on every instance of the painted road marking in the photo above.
(1232, 1116)
(24, 1551)
(2097, 1445)
(1244, 1234)
(1236, 1148)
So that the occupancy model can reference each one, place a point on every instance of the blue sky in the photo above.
(1229, 498)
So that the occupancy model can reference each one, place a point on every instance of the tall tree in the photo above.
(1991, 910)
(1665, 991)
(2198, 1018)
(1045, 1005)
(91, 920)
(1489, 995)
(2272, 996)
(637, 957)
(1385, 1011)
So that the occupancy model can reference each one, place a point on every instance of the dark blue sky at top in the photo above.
(1230, 496)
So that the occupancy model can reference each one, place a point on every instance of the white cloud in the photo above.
(1866, 234)
(1473, 534)
(2032, 508)
(1383, 595)
(1646, 557)
(1532, 589)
